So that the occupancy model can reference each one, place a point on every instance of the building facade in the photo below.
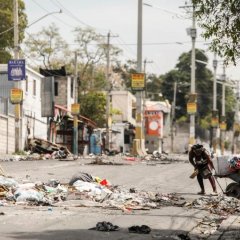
(32, 124)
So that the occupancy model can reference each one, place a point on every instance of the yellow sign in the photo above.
(138, 81)
(214, 122)
(16, 95)
(223, 126)
(75, 108)
(191, 107)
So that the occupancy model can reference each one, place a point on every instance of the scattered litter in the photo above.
(144, 229)
(220, 205)
(81, 176)
(105, 227)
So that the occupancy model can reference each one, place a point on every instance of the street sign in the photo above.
(223, 126)
(75, 108)
(16, 70)
(191, 107)
(214, 122)
(16, 95)
(138, 81)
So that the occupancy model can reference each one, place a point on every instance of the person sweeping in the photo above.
(203, 166)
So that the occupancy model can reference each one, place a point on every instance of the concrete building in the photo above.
(123, 120)
(31, 122)
(63, 86)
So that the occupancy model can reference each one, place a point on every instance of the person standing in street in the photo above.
(203, 165)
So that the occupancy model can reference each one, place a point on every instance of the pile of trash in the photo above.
(31, 193)
(104, 160)
(220, 205)
(39, 149)
(86, 188)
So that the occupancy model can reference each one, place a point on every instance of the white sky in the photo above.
(161, 29)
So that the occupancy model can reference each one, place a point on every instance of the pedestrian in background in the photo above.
(203, 166)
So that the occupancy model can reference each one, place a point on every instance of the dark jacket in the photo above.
(200, 160)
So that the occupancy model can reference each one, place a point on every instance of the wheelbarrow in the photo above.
(222, 171)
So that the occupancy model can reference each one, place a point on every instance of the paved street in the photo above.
(67, 222)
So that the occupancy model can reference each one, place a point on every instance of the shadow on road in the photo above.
(81, 234)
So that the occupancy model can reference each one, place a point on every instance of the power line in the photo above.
(60, 20)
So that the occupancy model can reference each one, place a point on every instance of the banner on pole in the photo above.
(138, 81)
(16, 95)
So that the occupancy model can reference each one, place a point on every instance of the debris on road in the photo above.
(49, 149)
(144, 229)
(105, 227)
(90, 190)
(220, 205)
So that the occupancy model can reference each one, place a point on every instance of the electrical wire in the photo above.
(60, 20)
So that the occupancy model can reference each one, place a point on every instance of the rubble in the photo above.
(90, 190)
(220, 205)
(39, 149)
(103, 160)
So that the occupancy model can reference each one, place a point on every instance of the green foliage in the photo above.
(93, 106)
(221, 22)
(48, 45)
(6, 20)
(204, 90)
(182, 75)
(182, 119)
(153, 87)
(206, 122)
(115, 111)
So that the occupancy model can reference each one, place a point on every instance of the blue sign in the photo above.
(16, 70)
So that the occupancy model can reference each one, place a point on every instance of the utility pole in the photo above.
(109, 96)
(223, 117)
(193, 34)
(215, 120)
(192, 102)
(17, 84)
(173, 115)
(75, 117)
(139, 142)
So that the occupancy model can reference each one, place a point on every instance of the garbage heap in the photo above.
(220, 205)
(82, 190)
(40, 149)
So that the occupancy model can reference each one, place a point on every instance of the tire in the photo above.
(233, 190)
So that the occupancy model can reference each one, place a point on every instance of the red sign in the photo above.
(154, 123)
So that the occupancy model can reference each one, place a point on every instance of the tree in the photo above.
(7, 25)
(93, 106)
(153, 87)
(92, 51)
(49, 46)
(182, 75)
(220, 21)
(204, 88)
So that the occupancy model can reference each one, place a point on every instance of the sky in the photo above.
(164, 28)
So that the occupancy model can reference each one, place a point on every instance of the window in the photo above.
(26, 82)
(55, 88)
(34, 87)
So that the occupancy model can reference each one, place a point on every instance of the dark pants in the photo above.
(200, 180)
